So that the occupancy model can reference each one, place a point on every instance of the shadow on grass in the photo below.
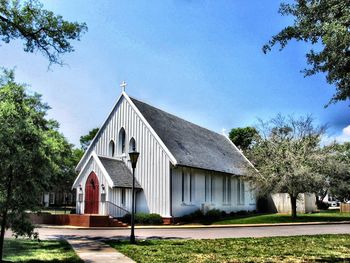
(26, 250)
(324, 216)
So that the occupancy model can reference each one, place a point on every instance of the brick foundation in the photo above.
(76, 220)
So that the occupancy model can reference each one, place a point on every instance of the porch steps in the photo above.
(113, 222)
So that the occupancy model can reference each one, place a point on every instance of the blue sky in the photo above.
(200, 60)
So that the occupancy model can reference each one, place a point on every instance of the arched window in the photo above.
(111, 148)
(132, 145)
(121, 145)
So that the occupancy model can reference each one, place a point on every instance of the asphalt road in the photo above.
(194, 233)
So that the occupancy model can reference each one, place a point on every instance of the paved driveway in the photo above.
(196, 233)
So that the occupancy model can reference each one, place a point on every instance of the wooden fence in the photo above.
(344, 208)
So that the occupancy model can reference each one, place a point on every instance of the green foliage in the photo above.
(321, 248)
(324, 24)
(288, 158)
(144, 219)
(195, 216)
(40, 29)
(85, 140)
(339, 174)
(243, 138)
(213, 214)
(31, 152)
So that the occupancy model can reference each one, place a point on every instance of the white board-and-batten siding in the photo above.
(211, 197)
(91, 166)
(153, 166)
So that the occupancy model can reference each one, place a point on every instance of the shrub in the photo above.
(322, 205)
(193, 217)
(213, 214)
(242, 213)
(143, 219)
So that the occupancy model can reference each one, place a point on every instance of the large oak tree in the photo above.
(288, 158)
(40, 29)
(326, 25)
(32, 152)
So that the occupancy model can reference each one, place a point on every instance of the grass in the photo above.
(322, 248)
(56, 210)
(25, 250)
(325, 216)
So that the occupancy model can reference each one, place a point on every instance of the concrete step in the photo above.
(116, 223)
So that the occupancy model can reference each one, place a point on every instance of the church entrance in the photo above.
(91, 194)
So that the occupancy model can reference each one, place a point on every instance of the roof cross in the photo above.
(123, 85)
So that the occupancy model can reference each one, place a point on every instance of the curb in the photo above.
(195, 226)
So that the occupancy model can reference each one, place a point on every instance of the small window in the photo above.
(123, 195)
(212, 188)
(51, 198)
(240, 191)
(111, 148)
(226, 190)
(191, 186)
(103, 197)
(183, 186)
(122, 141)
(132, 145)
(206, 187)
(65, 198)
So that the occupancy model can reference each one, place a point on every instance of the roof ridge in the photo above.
(132, 98)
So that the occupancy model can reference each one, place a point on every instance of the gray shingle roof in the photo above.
(119, 172)
(192, 145)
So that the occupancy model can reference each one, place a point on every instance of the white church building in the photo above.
(182, 167)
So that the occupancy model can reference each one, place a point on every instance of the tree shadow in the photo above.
(27, 250)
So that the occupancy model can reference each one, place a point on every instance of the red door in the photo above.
(91, 194)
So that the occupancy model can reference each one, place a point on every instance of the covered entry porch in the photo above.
(104, 187)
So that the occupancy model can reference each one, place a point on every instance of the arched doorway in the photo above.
(91, 194)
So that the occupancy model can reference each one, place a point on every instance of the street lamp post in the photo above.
(133, 158)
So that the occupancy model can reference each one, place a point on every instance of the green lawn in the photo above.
(322, 248)
(326, 216)
(24, 250)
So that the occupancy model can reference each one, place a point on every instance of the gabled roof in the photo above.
(192, 145)
(118, 172)
(90, 149)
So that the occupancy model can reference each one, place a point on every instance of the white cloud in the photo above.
(341, 138)
(346, 131)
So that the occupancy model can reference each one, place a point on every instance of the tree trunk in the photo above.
(293, 202)
(2, 235)
(4, 218)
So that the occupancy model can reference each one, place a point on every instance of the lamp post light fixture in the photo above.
(133, 159)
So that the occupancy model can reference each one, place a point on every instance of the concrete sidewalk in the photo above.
(189, 226)
(96, 251)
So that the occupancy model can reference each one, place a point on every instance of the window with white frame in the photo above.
(212, 188)
(132, 145)
(121, 142)
(191, 194)
(226, 190)
(51, 198)
(187, 186)
(207, 188)
(183, 179)
(111, 149)
(240, 191)
(123, 197)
